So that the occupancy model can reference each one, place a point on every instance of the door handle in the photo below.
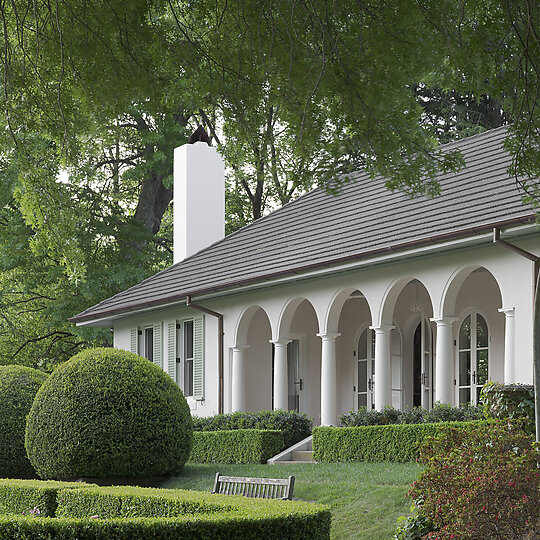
(300, 383)
(474, 377)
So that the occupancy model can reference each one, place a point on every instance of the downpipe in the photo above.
(219, 318)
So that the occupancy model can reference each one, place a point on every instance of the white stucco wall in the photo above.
(446, 290)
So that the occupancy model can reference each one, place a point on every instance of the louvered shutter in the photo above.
(198, 358)
(134, 339)
(171, 350)
(158, 345)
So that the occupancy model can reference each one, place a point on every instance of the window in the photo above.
(146, 343)
(473, 358)
(365, 371)
(185, 356)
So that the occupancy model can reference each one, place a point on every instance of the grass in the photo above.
(365, 498)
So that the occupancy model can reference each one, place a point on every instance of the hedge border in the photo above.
(395, 442)
(223, 516)
(235, 446)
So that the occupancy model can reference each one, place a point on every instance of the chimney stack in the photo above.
(199, 196)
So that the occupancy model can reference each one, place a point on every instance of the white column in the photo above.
(328, 379)
(383, 366)
(281, 383)
(509, 344)
(238, 378)
(444, 360)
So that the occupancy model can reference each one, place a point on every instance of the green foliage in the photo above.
(133, 513)
(115, 502)
(413, 527)
(108, 413)
(509, 401)
(32, 497)
(18, 387)
(294, 425)
(440, 412)
(480, 483)
(236, 446)
(399, 442)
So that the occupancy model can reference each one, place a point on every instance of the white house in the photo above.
(368, 298)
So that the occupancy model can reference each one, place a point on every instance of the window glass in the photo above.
(362, 346)
(149, 344)
(481, 331)
(464, 368)
(188, 358)
(465, 334)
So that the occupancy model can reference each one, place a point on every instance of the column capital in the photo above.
(329, 336)
(508, 311)
(238, 348)
(444, 321)
(382, 328)
(282, 342)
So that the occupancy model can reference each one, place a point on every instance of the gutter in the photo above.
(219, 317)
(389, 250)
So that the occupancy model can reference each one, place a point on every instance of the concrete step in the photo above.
(304, 456)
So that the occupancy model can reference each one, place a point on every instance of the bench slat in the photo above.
(261, 488)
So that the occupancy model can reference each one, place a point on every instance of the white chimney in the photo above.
(199, 199)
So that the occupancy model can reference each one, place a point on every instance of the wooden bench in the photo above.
(259, 488)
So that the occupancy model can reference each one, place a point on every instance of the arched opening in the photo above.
(252, 374)
(479, 334)
(354, 350)
(299, 326)
(413, 363)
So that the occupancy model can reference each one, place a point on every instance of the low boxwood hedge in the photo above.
(294, 425)
(25, 496)
(396, 442)
(107, 513)
(235, 446)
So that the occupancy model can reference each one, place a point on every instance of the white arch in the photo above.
(385, 314)
(335, 306)
(447, 302)
(242, 324)
(287, 313)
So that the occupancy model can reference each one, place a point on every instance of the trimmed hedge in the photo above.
(396, 442)
(235, 446)
(18, 388)
(107, 413)
(294, 425)
(24, 496)
(197, 515)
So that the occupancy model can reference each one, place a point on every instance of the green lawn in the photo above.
(366, 498)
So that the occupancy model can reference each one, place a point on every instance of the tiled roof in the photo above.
(319, 229)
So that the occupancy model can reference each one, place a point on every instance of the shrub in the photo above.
(18, 387)
(295, 426)
(108, 413)
(236, 446)
(440, 412)
(32, 496)
(480, 483)
(106, 513)
(400, 442)
(413, 527)
(509, 401)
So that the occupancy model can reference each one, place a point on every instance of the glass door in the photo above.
(473, 358)
(365, 371)
(294, 381)
(423, 365)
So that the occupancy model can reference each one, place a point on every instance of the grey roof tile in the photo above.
(320, 229)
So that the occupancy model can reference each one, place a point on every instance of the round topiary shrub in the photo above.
(107, 413)
(18, 387)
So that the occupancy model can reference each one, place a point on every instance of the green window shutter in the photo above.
(171, 350)
(134, 340)
(198, 358)
(158, 345)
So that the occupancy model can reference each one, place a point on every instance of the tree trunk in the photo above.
(154, 198)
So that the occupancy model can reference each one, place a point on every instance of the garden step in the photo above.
(302, 456)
